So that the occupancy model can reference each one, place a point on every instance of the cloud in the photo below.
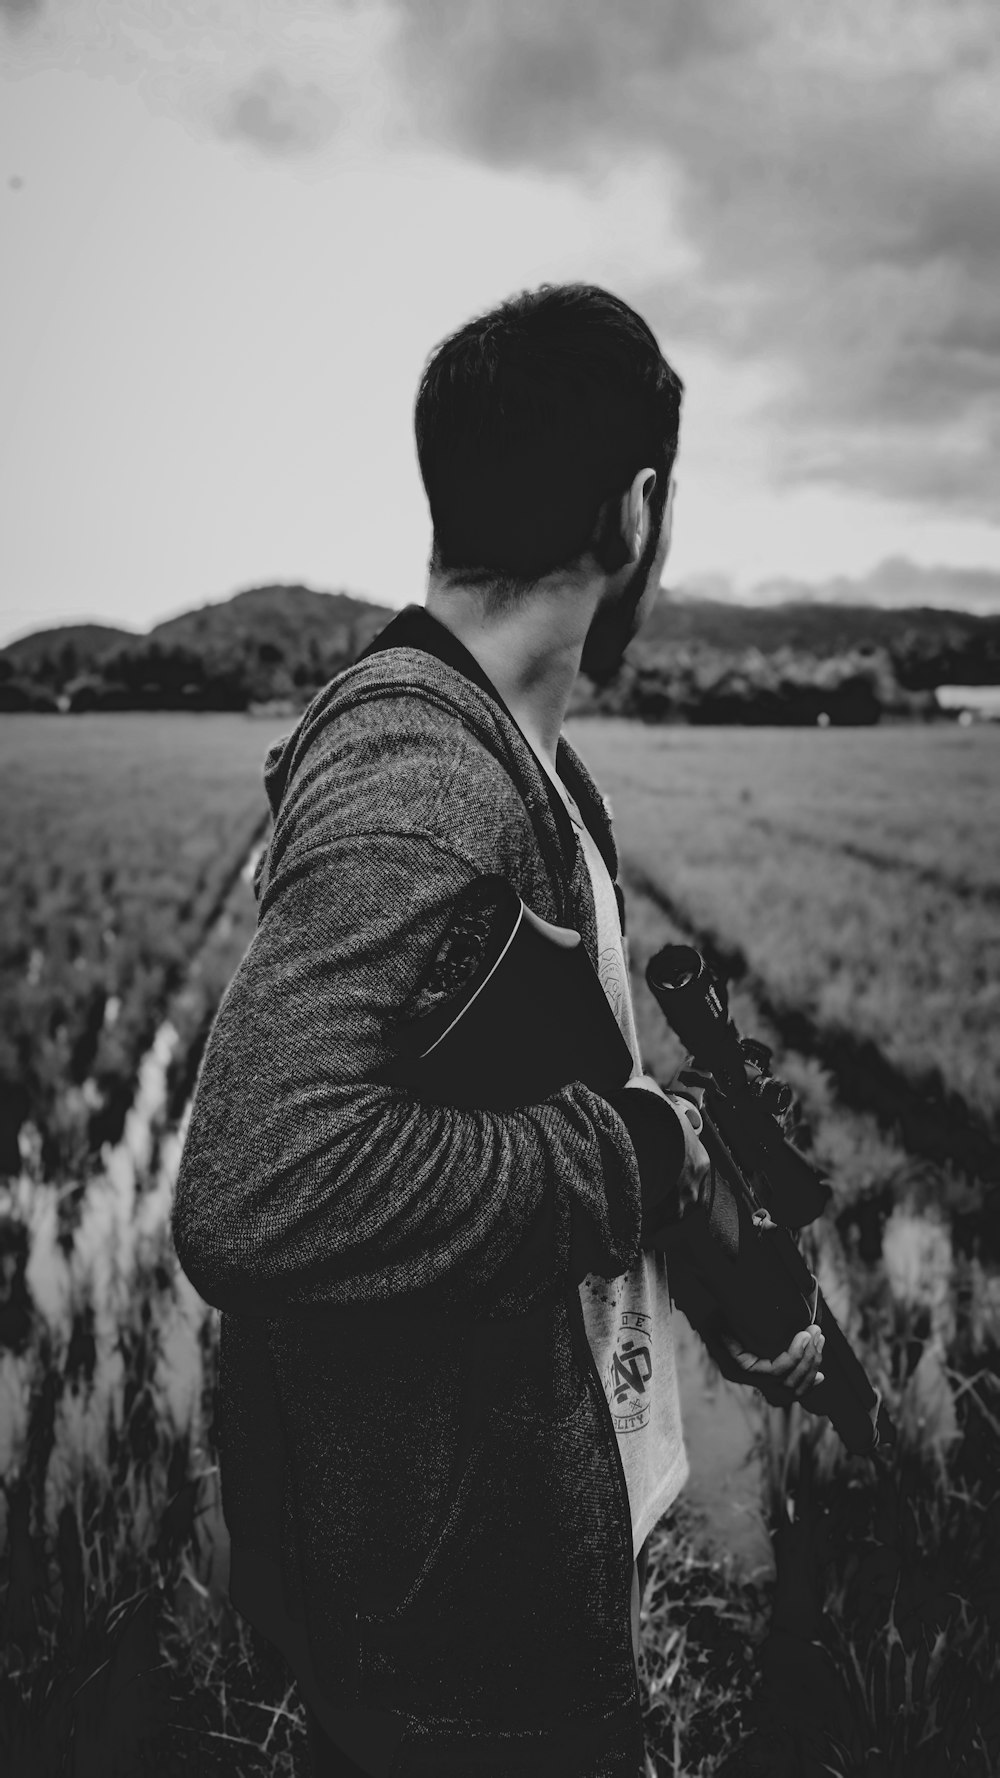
(281, 75)
(20, 12)
(833, 163)
(279, 115)
(828, 172)
(895, 584)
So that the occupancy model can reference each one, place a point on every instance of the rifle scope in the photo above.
(695, 1005)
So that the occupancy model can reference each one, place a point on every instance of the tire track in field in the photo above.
(928, 874)
(185, 1063)
(181, 971)
(256, 837)
(988, 893)
(108, 1121)
(931, 1121)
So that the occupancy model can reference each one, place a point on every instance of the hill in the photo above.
(803, 662)
(895, 582)
(927, 646)
(265, 643)
(699, 659)
(58, 653)
(291, 620)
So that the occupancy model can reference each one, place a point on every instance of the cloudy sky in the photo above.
(230, 235)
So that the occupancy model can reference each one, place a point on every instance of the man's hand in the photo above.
(794, 1371)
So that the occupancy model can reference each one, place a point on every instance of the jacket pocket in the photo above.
(522, 1376)
(520, 1605)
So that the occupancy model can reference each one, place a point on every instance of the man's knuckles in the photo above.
(794, 1370)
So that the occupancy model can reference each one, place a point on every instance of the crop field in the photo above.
(123, 837)
(847, 886)
(860, 879)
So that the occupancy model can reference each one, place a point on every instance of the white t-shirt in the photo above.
(629, 1320)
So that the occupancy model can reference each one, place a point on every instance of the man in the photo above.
(423, 1306)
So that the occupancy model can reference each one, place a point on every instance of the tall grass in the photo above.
(752, 836)
(129, 833)
(121, 1653)
(913, 798)
(875, 1650)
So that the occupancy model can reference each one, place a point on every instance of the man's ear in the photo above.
(668, 513)
(619, 537)
(635, 509)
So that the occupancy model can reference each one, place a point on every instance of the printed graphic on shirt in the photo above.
(628, 1372)
(612, 980)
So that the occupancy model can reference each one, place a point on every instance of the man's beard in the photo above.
(613, 626)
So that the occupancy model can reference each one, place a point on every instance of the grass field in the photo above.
(848, 885)
(123, 837)
(859, 876)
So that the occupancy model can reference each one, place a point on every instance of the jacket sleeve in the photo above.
(304, 1182)
(656, 1135)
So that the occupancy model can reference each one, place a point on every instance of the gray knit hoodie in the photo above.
(420, 1476)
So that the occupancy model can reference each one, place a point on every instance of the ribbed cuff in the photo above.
(656, 1135)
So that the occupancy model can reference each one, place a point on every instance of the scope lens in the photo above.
(674, 967)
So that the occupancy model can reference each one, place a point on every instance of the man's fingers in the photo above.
(796, 1370)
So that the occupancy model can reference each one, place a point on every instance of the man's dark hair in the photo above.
(528, 419)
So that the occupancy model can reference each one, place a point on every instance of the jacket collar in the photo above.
(414, 627)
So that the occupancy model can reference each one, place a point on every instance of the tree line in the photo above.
(699, 661)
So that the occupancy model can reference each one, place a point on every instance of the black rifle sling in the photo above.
(414, 627)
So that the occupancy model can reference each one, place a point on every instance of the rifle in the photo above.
(511, 1010)
(733, 1259)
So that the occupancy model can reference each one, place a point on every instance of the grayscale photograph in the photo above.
(500, 867)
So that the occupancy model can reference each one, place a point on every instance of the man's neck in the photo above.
(530, 652)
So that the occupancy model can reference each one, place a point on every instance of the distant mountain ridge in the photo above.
(289, 617)
(896, 584)
(960, 642)
(282, 643)
(264, 644)
(90, 640)
(282, 615)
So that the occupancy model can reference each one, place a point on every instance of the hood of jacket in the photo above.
(417, 654)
